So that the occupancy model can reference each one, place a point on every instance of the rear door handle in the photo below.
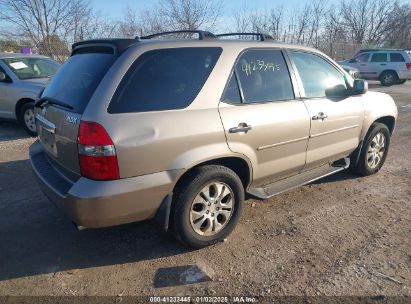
(383, 64)
(320, 115)
(242, 127)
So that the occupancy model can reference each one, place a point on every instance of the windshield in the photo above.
(77, 79)
(32, 67)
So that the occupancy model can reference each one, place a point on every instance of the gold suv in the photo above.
(180, 129)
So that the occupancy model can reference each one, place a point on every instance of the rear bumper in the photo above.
(95, 204)
(404, 74)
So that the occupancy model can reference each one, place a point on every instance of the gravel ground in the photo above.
(342, 235)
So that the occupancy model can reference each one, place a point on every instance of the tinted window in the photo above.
(264, 76)
(77, 79)
(362, 58)
(164, 79)
(318, 76)
(379, 57)
(232, 92)
(396, 57)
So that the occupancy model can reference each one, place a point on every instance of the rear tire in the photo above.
(374, 151)
(206, 206)
(27, 118)
(388, 78)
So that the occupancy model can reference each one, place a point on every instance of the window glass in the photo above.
(232, 92)
(164, 79)
(78, 78)
(318, 76)
(379, 57)
(264, 76)
(362, 58)
(396, 57)
(32, 67)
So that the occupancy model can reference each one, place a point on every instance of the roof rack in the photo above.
(261, 36)
(202, 35)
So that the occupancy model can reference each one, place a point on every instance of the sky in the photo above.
(115, 8)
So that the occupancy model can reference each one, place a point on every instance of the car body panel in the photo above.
(337, 135)
(277, 142)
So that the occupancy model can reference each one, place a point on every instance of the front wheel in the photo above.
(207, 205)
(374, 151)
(27, 118)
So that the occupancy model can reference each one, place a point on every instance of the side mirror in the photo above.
(360, 87)
(3, 76)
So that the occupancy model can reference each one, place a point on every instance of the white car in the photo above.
(390, 66)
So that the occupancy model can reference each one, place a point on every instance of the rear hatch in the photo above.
(62, 103)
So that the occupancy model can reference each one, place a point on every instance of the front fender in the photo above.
(377, 105)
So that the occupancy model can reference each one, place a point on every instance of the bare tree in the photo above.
(190, 14)
(367, 20)
(43, 22)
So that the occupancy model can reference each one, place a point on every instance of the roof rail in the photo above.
(202, 35)
(261, 36)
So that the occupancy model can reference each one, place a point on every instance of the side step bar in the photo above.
(298, 180)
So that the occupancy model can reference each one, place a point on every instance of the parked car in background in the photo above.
(22, 78)
(181, 129)
(353, 72)
(389, 66)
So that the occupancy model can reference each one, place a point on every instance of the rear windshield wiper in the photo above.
(49, 100)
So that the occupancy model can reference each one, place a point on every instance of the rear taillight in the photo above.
(97, 154)
(408, 66)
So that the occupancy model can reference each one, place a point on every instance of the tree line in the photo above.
(51, 26)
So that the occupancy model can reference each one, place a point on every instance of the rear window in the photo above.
(164, 79)
(76, 81)
(396, 57)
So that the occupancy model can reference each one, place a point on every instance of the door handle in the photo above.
(383, 64)
(320, 115)
(363, 64)
(242, 127)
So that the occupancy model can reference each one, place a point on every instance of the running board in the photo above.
(298, 180)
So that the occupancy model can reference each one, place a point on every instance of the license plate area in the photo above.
(48, 140)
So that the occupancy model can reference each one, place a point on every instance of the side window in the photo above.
(164, 79)
(362, 58)
(231, 92)
(379, 57)
(396, 57)
(264, 76)
(318, 76)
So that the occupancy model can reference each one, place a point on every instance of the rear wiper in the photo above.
(49, 100)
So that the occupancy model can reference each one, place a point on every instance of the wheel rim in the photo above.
(212, 209)
(376, 150)
(388, 78)
(29, 120)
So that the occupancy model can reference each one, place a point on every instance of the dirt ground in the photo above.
(340, 236)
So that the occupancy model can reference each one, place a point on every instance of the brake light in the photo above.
(408, 66)
(97, 154)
